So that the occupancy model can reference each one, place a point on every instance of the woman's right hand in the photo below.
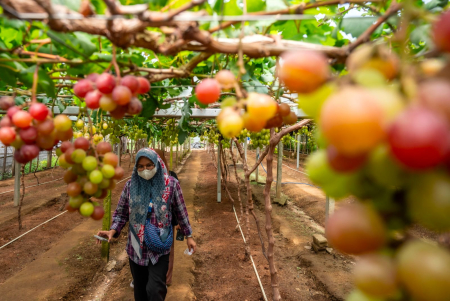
(108, 234)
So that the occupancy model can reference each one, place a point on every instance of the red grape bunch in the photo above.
(32, 131)
(260, 110)
(385, 139)
(86, 176)
(118, 97)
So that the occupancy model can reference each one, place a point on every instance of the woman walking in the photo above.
(147, 202)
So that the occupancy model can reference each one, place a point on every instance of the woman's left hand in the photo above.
(191, 244)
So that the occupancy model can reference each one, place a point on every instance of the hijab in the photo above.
(144, 193)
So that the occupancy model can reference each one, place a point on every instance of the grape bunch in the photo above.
(170, 133)
(32, 131)
(260, 110)
(384, 138)
(118, 96)
(87, 176)
(260, 139)
(243, 135)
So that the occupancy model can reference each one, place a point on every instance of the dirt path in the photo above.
(222, 273)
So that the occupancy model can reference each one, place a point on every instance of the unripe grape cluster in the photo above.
(385, 140)
(31, 131)
(91, 172)
(260, 139)
(170, 133)
(118, 96)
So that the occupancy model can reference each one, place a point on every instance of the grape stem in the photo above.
(35, 81)
(114, 62)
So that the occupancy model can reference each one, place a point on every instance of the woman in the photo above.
(147, 202)
(174, 224)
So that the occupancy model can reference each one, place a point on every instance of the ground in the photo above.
(60, 261)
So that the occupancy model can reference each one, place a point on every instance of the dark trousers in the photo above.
(150, 281)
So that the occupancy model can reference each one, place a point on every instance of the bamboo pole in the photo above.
(106, 224)
(5, 153)
(17, 184)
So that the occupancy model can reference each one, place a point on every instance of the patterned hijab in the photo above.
(142, 193)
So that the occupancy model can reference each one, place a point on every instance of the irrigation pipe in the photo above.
(45, 221)
(33, 185)
(251, 258)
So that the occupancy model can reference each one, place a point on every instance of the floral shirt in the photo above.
(122, 214)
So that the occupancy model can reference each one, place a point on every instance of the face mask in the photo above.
(147, 174)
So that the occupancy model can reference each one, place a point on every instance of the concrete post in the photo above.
(298, 151)
(219, 174)
(16, 184)
(257, 168)
(329, 207)
(279, 168)
(49, 158)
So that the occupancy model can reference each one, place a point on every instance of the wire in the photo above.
(45, 221)
(251, 258)
(33, 185)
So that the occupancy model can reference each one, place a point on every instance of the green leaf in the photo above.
(72, 4)
(182, 135)
(149, 108)
(8, 75)
(84, 41)
(45, 83)
(255, 5)
(230, 8)
(436, 4)
(193, 99)
(356, 26)
(60, 105)
(275, 5)
(421, 34)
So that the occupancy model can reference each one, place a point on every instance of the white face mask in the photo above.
(147, 174)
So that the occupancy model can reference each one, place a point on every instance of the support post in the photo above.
(49, 158)
(306, 144)
(257, 168)
(16, 184)
(219, 173)
(5, 153)
(106, 224)
(171, 156)
(119, 152)
(329, 207)
(279, 168)
(245, 148)
(298, 151)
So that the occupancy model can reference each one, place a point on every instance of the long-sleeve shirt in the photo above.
(122, 215)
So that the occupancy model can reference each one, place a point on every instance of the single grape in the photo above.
(29, 152)
(76, 201)
(261, 106)
(7, 135)
(78, 155)
(63, 136)
(93, 77)
(22, 119)
(92, 99)
(226, 79)
(103, 148)
(424, 271)
(45, 127)
(62, 123)
(39, 111)
(343, 163)
(81, 143)
(144, 85)
(70, 177)
(98, 213)
(28, 135)
(441, 32)
(73, 189)
(416, 138)
(12, 111)
(105, 83)
(45, 141)
(118, 173)
(96, 176)
(111, 159)
(89, 163)
(134, 107)
(108, 171)
(6, 122)
(63, 163)
(82, 87)
(355, 229)
(107, 103)
(121, 95)
(208, 91)
(131, 82)
(104, 183)
(119, 112)
(90, 188)
(6, 102)
(303, 71)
